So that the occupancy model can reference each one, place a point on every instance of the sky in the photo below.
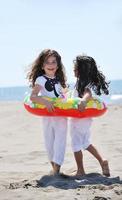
(71, 27)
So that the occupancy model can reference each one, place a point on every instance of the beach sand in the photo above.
(24, 166)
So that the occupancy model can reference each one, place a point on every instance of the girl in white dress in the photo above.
(88, 77)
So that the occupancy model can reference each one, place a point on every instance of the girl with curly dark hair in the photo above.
(47, 78)
(88, 78)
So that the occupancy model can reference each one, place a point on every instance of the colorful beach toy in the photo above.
(66, 107)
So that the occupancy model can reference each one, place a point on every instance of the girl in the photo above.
(88, 77)
(47, 78)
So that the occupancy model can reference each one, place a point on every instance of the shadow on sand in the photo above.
(63, 181)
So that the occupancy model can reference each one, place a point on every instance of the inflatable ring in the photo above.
(66, 107)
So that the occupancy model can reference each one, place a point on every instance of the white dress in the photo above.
(54, 128)
(79, 130)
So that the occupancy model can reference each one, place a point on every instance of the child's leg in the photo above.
(80, 138)
(79, 161)
(103, 163)
(95, 153)
(60, 130)
(48, 137)
(56, 168)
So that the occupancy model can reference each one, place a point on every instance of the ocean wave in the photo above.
(116, 97)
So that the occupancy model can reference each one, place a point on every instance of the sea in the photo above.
(18, 93)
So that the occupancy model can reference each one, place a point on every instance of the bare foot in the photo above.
(77, 173)
(105, 168)
(53, 173)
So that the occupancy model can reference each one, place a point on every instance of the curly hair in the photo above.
(89, 76)
(37, 67)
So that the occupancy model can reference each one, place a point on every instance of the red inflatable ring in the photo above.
(67, 108)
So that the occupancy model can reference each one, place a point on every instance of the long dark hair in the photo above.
(37, 67)
(88, 75)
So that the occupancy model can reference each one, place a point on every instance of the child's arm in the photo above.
(38, 99)
(86, 97)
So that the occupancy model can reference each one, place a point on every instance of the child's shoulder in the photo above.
(40, 80)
